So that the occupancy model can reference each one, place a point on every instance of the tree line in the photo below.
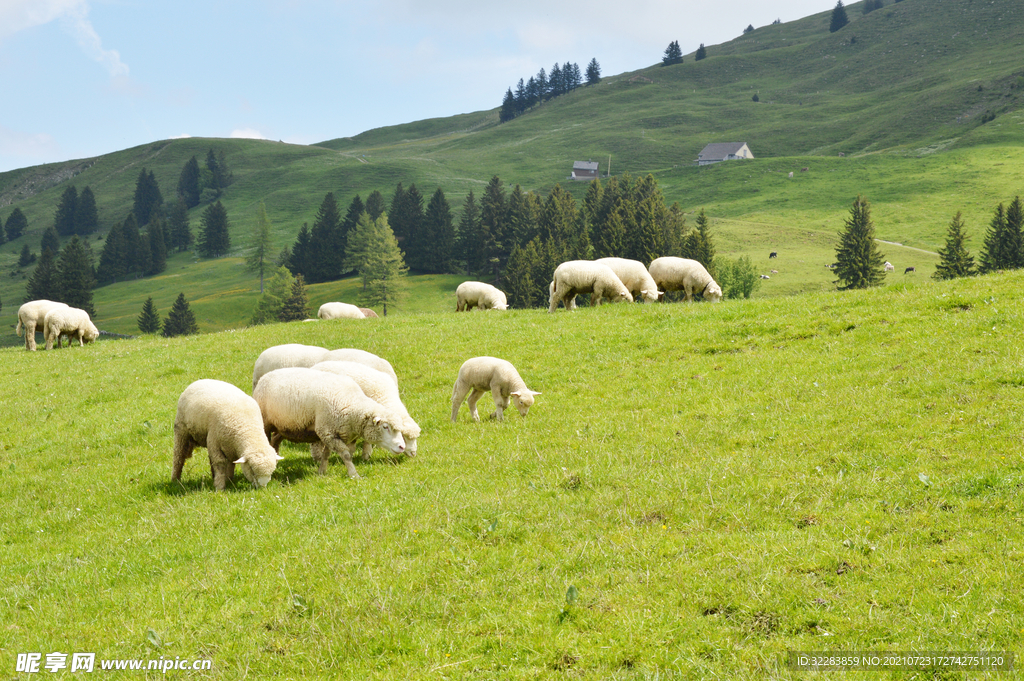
(544, 86)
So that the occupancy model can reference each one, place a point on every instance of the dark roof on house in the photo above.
(584, 165)
(720, 150)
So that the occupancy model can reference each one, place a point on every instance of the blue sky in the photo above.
(82, 78)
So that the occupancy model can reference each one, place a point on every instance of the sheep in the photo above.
(472, 294)
(339, 311)
(368, 313)
(584, 276)
(570, 305)
(362, 357)
(683, 274)
(327, 410)
(889, 267)
(70, 322)
(229, 424)
(379, 387)
(634, 276)
(480, 374)
(287, 355)
(30, 316)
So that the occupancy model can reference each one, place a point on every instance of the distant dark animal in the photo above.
(909, 269)
(842, 155)
(773, 254)
(367, 312)
(765, 276)
(831, 267)
(804, 170)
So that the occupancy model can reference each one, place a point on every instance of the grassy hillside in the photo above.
(715, 484)
(900, 91)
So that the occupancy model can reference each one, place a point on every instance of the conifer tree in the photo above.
(348, 223)
(300, 260)
(469, 241)
(50, 241)
(593, 72)
(258, 260)
(214, 241)
(44, 284)
(993, 255)
(396, 212)
(189, 188)
(296, 305)
(214, 174)
(16, 224)
(149, 319)
(493, 225)
(519, 283)
(27, 257)
(954, 259)
(357, 245)
(384, 268)
(839, 18)
(114, 257)
(508, 107)
(375, 205)
(326, 243)
(673, 54)
(414, 242)
(178, 227)
(699, 245)
(701, 53)
(859, 263)
(157, 246)
(136, 249)
(181, 321)
(269, 305)
(64, 219)
(147, 197)
(76, 276)
(87, 218)
(437, 246)
(522, 210)
(1014, 240)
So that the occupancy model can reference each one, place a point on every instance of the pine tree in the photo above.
(699, 245)
(673, 54)
(469, 241)
(181, 321)
(438, 243)
(859, 264)
(149, 319)
(415, 240)
(189, 188)
(593, 72)
(701, 53)
(493, 225)
(258, 260)
(76, 276)
(300, 260)
(214, 175)
(375, 205)
(50, 241)
(147, 197)
(87, 218)
(296, 306)
(519, 283)
(521, 214)
(157, 246)
(357, 245)
(44, 284)
(508, 107)
(64, 219)
(16, 225)
(214, 241)
(27, 257)
(269, 305)
(1014, 238)
(954, 259)
(136, 251)
(384, 268)
(113, 258)
(993, 255)
(178, 227)
(349, 222)
(839, 18)
(749, 28)
(326, 243)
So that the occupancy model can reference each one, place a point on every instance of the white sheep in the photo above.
(379, 387)
(339, 311)
(329, 411)
(585, 276)
(368, 313)
(634, 277)
(363, 357)
(472, 294)
(569, 305)
(480, 374)
(229, 424)
(31, 316)
(71, 322)
(287, 355)
(682, 274)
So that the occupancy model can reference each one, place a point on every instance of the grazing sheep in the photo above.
(480, 374)
(634, 276)
(339, 311)
(570, 305)
(889, 267)
(71, 322)
(765, 276)
(585, 276)
(368, 313)
(362, 357)
(379, 387)
(30, 316)
(226, 421)
(472, 294)
(288, 355)
(683, 274)
(327, 410)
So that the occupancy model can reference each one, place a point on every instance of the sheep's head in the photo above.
(523, 400)
(411, 432)
(258, 466)
(652, 295)
(91, 333)
(621, 295)
(389, 434)
(713, 293)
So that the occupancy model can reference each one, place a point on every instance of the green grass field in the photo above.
(716, 484)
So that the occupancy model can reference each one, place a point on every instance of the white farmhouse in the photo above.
(723, 151)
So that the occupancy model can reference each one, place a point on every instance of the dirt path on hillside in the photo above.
(897, 243)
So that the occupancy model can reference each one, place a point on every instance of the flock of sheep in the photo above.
(335, 400)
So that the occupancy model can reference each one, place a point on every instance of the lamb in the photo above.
(339, 311)
(31, 315)
(380, 388)
(70, 322)
(584, 276)
(480, 374)
(327, 410)
(682, 274)
(368, 313)
(287, 355)
(634, 276)
(472, 294)
(226, 421)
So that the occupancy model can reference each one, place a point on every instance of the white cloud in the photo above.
(76, 22)
(247, 134)
(27, 147)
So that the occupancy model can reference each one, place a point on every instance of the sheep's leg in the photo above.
(472, 403)
(183, 448)
(321, 455)
(346, 458)
(458, 397)
(367, 448)
(30, 336)
(222, 470)
(275, 440)
(81, 339)
(554, 300)
(500, 404)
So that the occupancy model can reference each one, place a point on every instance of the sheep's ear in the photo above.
(278, 457)
(522, 393)
(376, 420)
(242, 460)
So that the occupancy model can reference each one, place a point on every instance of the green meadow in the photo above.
(699, 490)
